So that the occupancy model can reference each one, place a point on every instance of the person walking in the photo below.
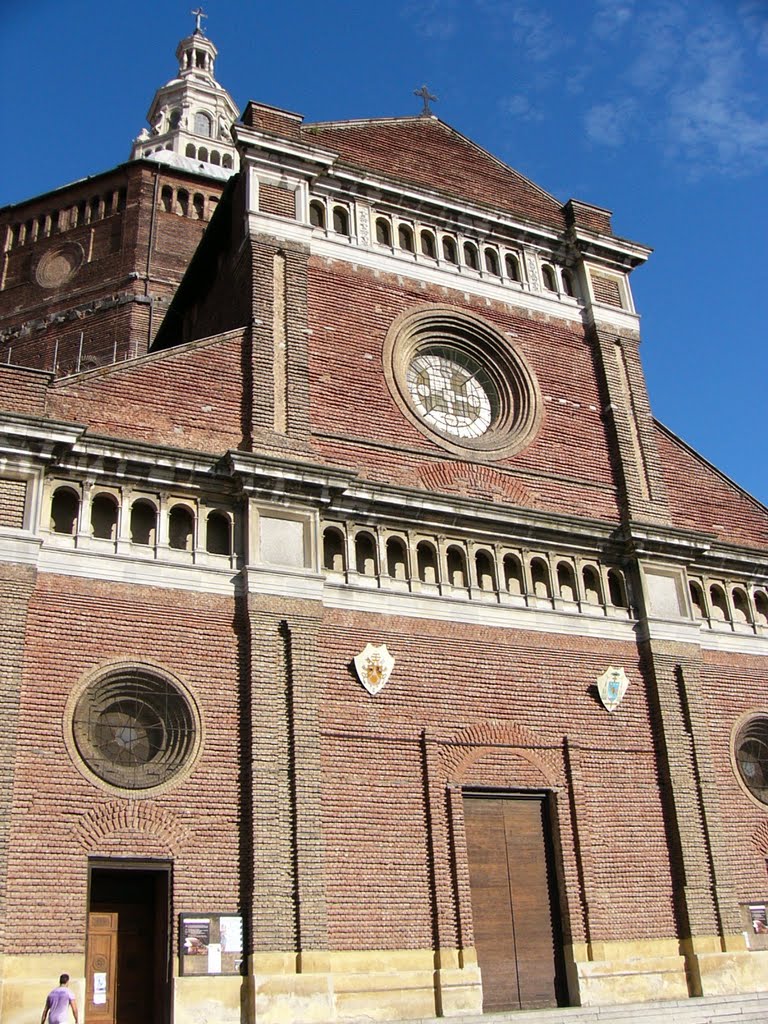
(58, 1002)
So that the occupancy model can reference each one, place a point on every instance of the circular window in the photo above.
(59, 265)
(135, 728)
(750, 751)
(462, 382)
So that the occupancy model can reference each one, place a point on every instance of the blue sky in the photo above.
(655, 109)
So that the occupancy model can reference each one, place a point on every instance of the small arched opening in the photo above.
(513, 575)
(365, 554)
(218, 534)
(457, 566)
(397, 564)
(485, 571)
(333, 549)
(617, 590)
(181, 528)
(718, 603)
(104, 510)
(566, 581)
(65, 508)
(143, 522)
(591, 581)
(540, 578)
(426, 562)
(317, 214)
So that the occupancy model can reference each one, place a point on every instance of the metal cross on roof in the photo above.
(199, 13)
(426, 96)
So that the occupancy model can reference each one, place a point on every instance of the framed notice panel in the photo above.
(210, 943)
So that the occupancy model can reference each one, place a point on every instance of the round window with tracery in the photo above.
(135, 728)
(461, 382)
(750, 751)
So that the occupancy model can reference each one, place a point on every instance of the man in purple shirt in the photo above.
(58, 1002)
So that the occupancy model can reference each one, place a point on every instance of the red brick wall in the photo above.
(74, 627)
(449, 678)
(566, 468)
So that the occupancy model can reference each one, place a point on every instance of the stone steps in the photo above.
(751, 1008)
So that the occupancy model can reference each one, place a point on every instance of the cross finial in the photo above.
(198, 14)
(426, 96)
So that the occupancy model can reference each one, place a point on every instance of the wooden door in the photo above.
(519, 948)
(101, 969)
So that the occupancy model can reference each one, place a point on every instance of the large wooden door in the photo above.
(101, 969)
(128, 919)
(517, 935)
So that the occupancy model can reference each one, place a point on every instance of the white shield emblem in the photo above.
(374, 667)
(612, 685)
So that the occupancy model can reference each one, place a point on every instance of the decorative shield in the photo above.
(374, 667)
(612, 685)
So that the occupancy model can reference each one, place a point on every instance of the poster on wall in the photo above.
(210, 943)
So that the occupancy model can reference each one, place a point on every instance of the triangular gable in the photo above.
(700, 497)
(425, 152)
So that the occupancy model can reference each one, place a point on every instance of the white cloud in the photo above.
(608, 124)
(519, 106)
(692, 85)
(433, 19)
(611, 18)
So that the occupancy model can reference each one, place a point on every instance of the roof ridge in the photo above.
(710, 465)
(434, 119)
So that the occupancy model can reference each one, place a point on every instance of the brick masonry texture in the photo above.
(568, 464)
(426, 152)
(331, 819)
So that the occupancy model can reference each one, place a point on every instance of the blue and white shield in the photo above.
(612, 685)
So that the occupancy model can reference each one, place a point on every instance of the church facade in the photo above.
(370, 650)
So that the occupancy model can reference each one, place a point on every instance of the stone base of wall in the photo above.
(607, 973)
(378, 985)
(716, 971)
(25, 981)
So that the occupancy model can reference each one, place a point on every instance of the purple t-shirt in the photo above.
(59, 1001)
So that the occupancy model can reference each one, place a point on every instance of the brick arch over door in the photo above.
(131, 828)
(481, 742)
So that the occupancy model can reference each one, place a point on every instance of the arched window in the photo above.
(428, 246)
(513, 575)
(198, 205)
(405, 238)
(548, 276)
(492, 262)
(457, 567)
(333, 550)
(761, 608)
(341, 220)
(697, 600)
(218, 534)
(591, 581)
(122, 196)
(166, 198)
(383, 231)
(190, 150)
(397, 564)
(718, 603)
(568, 288)
(426, 561)
(79, 218)
(202, 154)
(485, 572)
(175, 119)
(512, 267)
(182, 202)
(181, 528)
(226, 161)
(94, 208)
(317, 214)
(104, 517)
(471, 258)
(365, 554)
(740, 605)
(65, 506)
(540, 578)
(215, 157)
(203, 124)
(32, 226)
(617, 590)
(566, 581)
(143, 522)
(450, 253)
